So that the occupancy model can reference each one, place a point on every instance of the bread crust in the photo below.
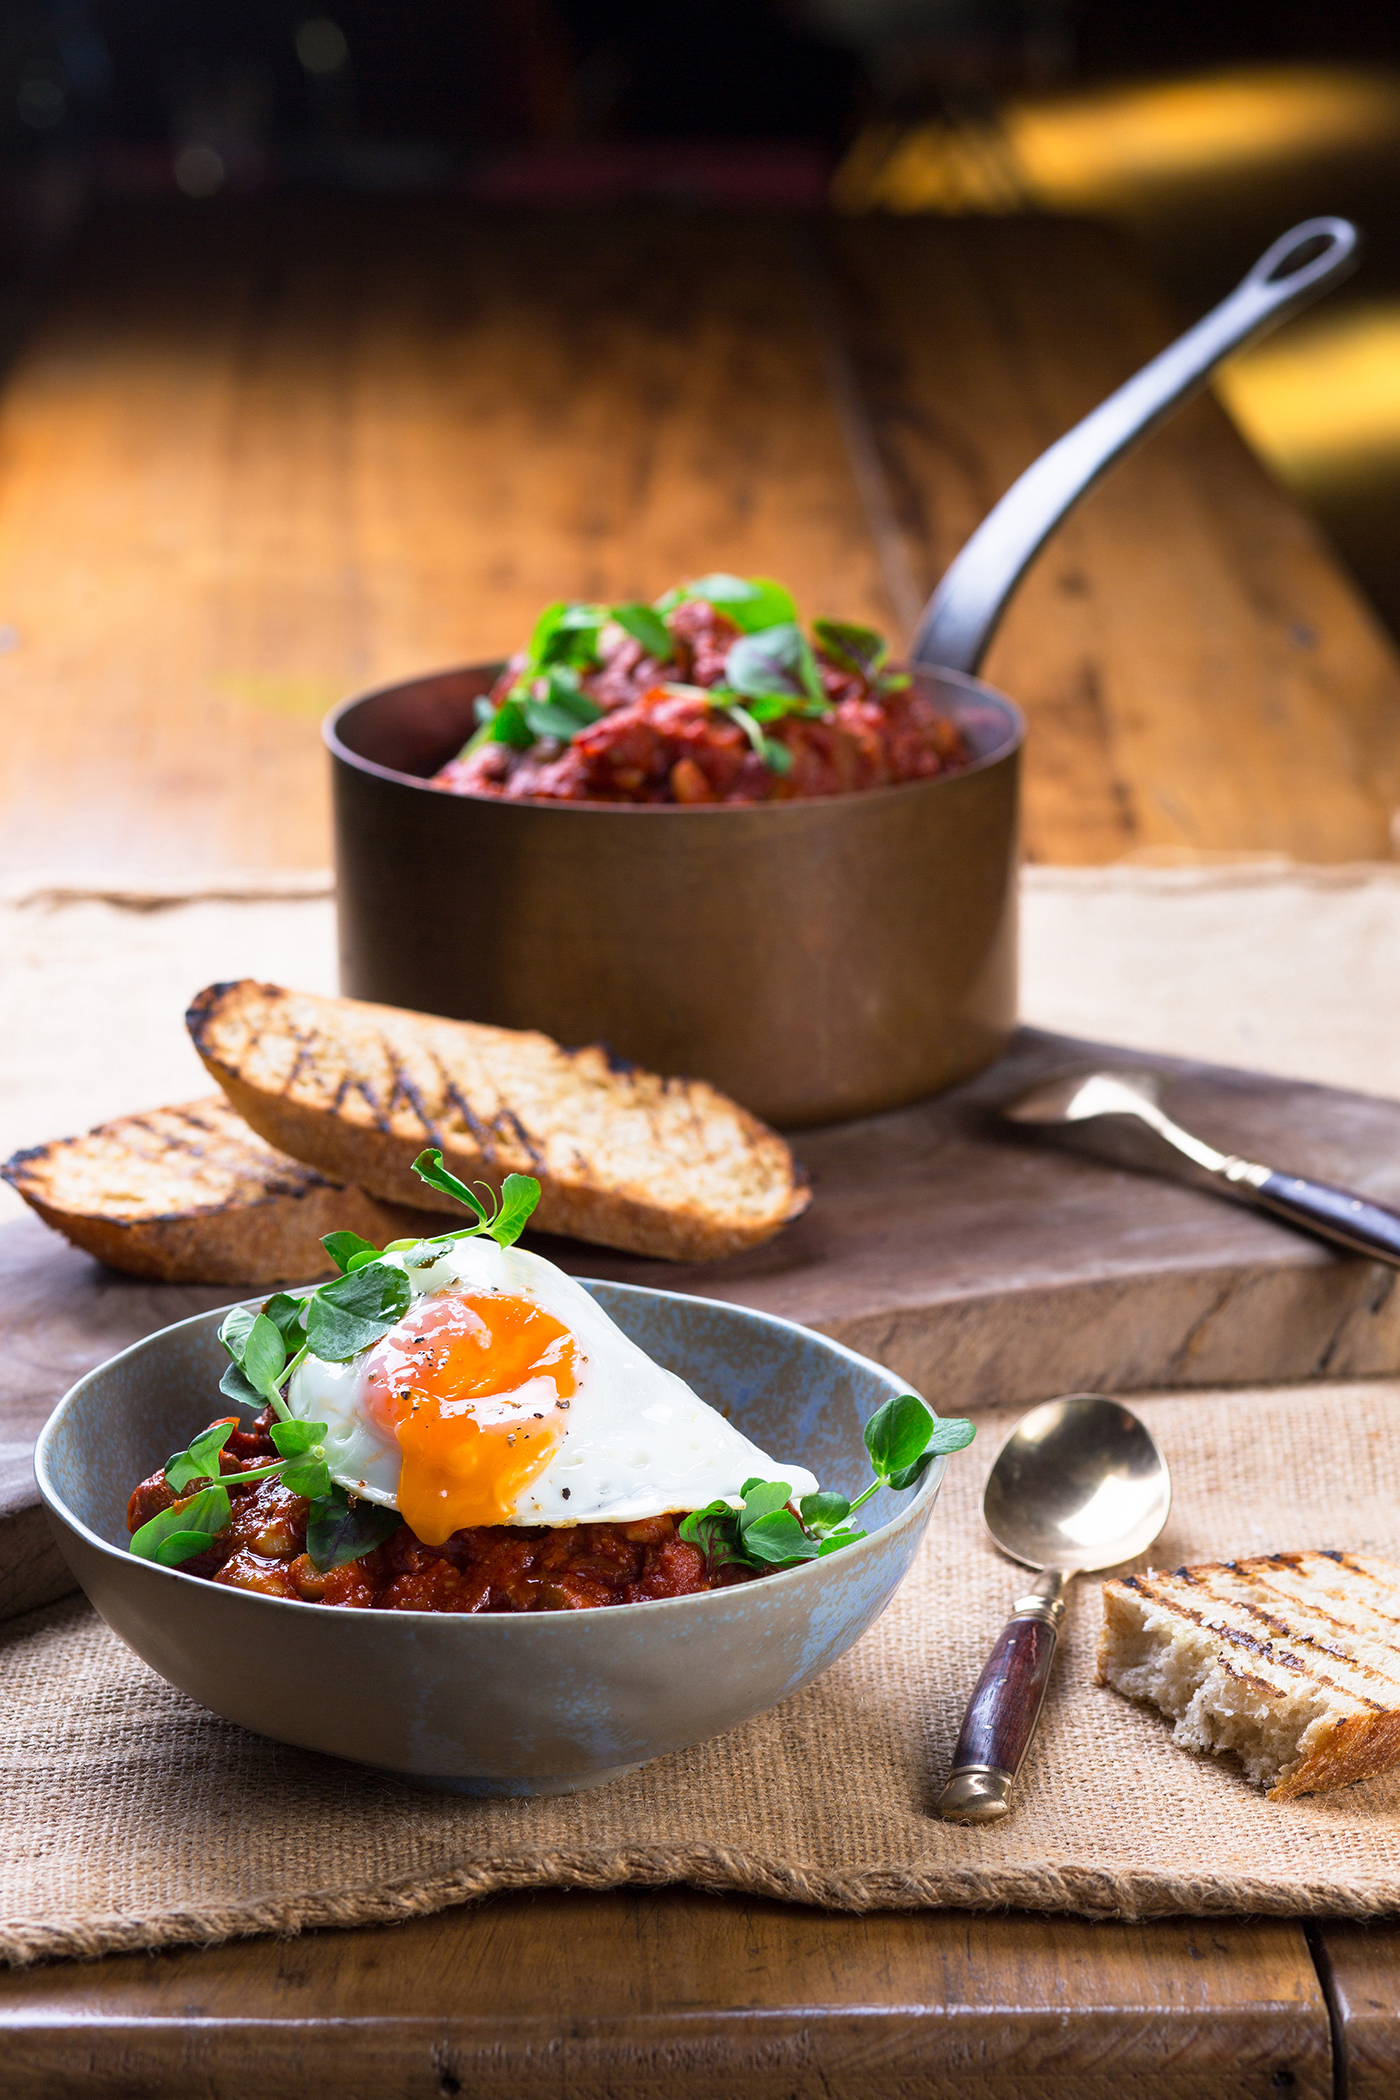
(1315, 1632)
(664, 1167)
(190, 1194)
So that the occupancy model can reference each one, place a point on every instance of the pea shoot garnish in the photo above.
(760, 1530)
(345, 1316)
(902, 1438)
(770, 673)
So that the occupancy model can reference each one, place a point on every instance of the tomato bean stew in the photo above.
(713, 694)
(488, 1568)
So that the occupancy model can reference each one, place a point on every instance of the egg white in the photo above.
(638, 1442)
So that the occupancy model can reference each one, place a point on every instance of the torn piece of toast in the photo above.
(191, 1195)
(666, 1167)
(1292, 1661)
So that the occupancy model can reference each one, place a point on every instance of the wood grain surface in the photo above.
(678, 1994)
(258, 453)
(1359, 1967)
(1191, 663)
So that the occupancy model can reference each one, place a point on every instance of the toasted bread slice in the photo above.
(1292, 1661)
(191, 1195)
(667, 1167)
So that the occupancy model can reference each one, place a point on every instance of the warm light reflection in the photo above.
(1324, 397)
(1110, 1513)
(1321, 401)
(1096, 149)
(1073, 152)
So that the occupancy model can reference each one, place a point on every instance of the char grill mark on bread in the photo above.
(666, 1167)
(1290, 1660)
(191, 1195)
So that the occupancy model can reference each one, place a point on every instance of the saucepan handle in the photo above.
(963, 613)
(1004, 1708)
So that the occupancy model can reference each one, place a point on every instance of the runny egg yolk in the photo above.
(475, 1385)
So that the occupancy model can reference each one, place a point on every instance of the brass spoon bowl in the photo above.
(1080, 1484)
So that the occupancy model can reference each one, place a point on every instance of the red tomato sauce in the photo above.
(488, 1567)
(654, 744)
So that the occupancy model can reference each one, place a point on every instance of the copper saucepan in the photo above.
(816, 959)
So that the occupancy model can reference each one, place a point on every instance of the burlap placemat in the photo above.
(131, 1818)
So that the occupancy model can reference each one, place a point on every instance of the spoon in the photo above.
(1078, 1485)
(1333, 1214)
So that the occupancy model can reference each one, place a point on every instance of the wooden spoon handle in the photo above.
(1004, 1708)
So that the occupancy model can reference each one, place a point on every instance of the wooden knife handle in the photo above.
(1004, 1708)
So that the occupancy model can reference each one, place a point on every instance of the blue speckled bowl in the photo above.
(505, 1704)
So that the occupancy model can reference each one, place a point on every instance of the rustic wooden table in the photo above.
(256, 454)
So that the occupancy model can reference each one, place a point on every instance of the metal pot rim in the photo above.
(975, 688)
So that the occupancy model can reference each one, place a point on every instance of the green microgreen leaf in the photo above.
(897, 1434)
(853, 648)
(429, 1167)
(234, 1329)
(769, 1534)
(950, 1433)
(288, 1316)
(183, 1530)
(344, 1247)
(777, 664)
(761, 1498)
(565, 634)
(349, 1314)
(902, 1438)
(509, 1213)
(561, 719)
(264, 1355)
(646, 626)
(824, 1512)
(507, 726)
(307, 1475)
(234, 1386)
(294, 1437)
(715, 1530)
(341, 1529)
(201, 1461)
(751, 602)
(777, 1539)
(775, 756)
(519, 1195)
(178, 1546)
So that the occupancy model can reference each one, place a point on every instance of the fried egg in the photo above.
(506, 1395)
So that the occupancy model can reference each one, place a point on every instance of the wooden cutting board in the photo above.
(981, 1261)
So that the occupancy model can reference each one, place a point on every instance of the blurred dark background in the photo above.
(1202, 127)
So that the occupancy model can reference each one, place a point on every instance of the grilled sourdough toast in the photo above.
(1292, 1661)
(191, 1195)
(665, 1167)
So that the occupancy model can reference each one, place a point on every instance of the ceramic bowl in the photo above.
(504, 1704)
